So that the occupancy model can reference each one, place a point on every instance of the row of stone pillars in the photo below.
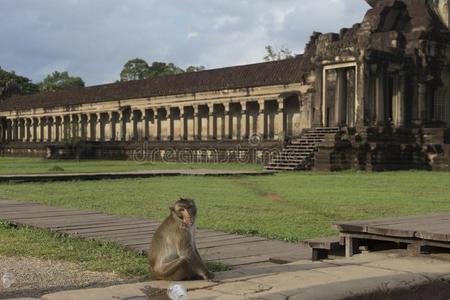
(232, 121)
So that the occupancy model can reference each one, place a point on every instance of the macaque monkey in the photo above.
(173, 252)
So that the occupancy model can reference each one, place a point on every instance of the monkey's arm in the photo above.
(167, 270)
(189, 251)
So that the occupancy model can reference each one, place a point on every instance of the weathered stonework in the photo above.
(380, 82)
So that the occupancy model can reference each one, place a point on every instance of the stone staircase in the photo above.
(299, 153)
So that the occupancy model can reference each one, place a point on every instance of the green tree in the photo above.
(135, 69)
(273, 54)
(59, 81)
(12, 84)
(195, 69)
(158, 69)
(138, 69)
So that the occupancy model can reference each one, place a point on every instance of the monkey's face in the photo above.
(186, 211)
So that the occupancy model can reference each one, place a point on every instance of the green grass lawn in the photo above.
(14, 165)
(286, 206)
(90, 255)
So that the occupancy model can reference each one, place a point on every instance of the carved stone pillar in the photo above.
(183, 120)
(142, 127)
(146, 123)
(398, 109)
(236, 116)
(170, 128)
(244, 122)
(108, 126)
(81, 127)
(197, 125)
(37, 129)
(227, 121)
(261, 119)
(422, 96)
(122, 126)
(152, 125)
(51, 129)
(58, 128)
(211, 123)
(29, 129)
(15, 126)
(129, 125)
(279, 119)
(380, 97)
(177, 124)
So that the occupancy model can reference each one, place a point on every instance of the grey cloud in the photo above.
(94, 38)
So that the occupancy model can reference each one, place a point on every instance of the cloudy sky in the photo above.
(94, 38)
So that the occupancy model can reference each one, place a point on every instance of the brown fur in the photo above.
(173, 252)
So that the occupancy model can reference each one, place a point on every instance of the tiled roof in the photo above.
(262, 74)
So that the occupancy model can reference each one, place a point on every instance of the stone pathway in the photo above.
(384, 275)
(125, 175)
(233, 250)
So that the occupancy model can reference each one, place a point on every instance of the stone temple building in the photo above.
(374, 96)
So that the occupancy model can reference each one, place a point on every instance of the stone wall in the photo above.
(185, 152)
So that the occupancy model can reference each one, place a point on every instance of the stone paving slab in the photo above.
(125, 175)
(386, 275)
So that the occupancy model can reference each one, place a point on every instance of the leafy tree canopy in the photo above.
(138, 69)
(135, 69)
(59, 81)
(158, 69)
(12, 84)
(273, 54)
(195, 69)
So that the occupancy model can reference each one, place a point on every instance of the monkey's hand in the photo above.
(208, 276)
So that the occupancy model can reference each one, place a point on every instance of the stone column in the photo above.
(244, 122)
(89, 127)
(279, 119)
(97, 127)
(52, 129)
(14, 127)
(45, 129)
(189, 121)
(183, 131)
(422, 112)
(169, 125)
(380, 97)
(130, 126)
(73, 126)
(236, 116)
(154, 125)
(58, 123)
(398, 110)
(20, 130)
(108, 126)
(29, 132)
(197, 125)
(80, 124)
(142, 128)
(211, 116)
(11, 130)
(227, 121)
(121, 124)
(37, 131)
(63, 127)
(261, 119)
(147, 134)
